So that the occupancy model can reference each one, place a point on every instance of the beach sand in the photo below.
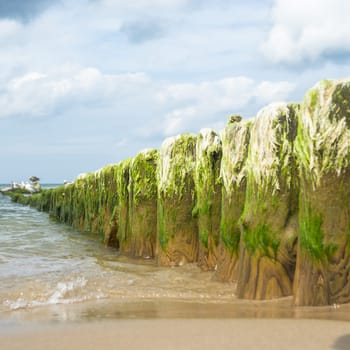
(182, 334)
(169, 324)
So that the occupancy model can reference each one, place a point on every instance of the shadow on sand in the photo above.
(342, 343)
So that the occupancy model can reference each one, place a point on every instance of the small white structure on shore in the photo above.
(25, 187)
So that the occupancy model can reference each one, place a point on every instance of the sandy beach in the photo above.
(183, 334)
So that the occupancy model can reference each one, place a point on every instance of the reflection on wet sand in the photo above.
(178, 309)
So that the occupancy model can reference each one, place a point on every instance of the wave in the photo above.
(69, 292)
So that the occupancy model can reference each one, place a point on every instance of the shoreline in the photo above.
(182, 334)
(153, 309)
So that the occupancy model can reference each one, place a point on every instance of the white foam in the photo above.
(20, 303)
(69, 292)
(64, 288)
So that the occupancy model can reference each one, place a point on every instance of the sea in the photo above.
(50, 272)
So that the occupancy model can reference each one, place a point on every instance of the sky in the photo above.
(86, 83)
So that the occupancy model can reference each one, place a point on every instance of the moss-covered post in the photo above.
(235, 142)
(60, 206)
(91, 202)
(122, 174)
(208, 195)
(108, 205)
(42, 200)
(177, 228)
(269, 219)
(78, 202)
(65, 192)
(323, 151)
(143, 204)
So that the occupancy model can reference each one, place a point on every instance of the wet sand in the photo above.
(182, 334)
(126, 309)
(166, 324)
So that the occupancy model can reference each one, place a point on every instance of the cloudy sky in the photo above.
(84, 83)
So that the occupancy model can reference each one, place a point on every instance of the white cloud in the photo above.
(149, 5)
(9, 28)
(268, 91)
(17, 83)
(36, 94)
(178, 120)
(201, 104)
(76, 64)
(307, 30)
(130, 98)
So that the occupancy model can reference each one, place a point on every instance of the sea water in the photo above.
(49, 270)
(44, 262)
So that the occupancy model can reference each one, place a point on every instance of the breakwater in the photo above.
(264, 203)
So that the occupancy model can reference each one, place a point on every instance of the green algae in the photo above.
(122, 176)
(207, 185)
(143, 193)
(233, 174)
(143, 175)
(261, 240)
(177, 226)
(323, 153)
(322, 145)
(270, 171)
(107, 201)
(312, 236)
(271, 148)
(235, 143)
(175, 173)
(254, 174)
(234, 118)
(177, 165)
(163, 238)
(230, 235)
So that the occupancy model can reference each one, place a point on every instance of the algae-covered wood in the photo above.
(265, 203)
